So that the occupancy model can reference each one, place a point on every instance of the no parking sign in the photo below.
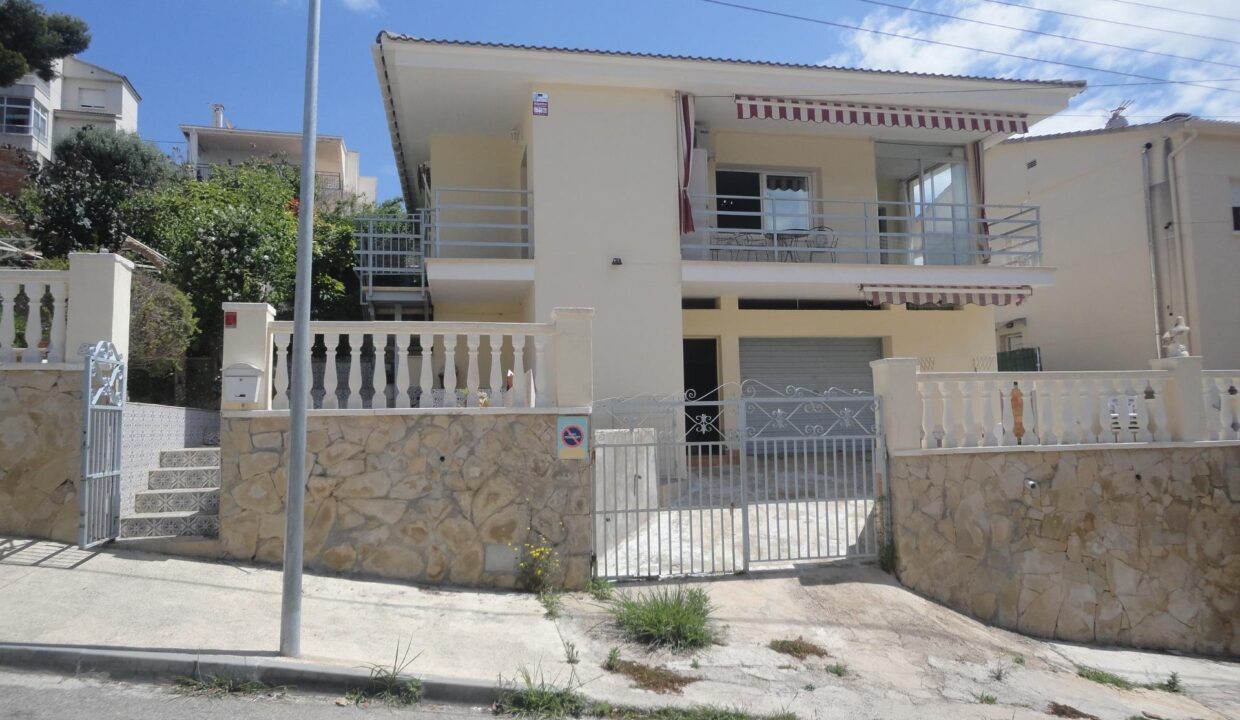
(572, 437)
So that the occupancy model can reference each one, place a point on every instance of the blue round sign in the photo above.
(573, 436)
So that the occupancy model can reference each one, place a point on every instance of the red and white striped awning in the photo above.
(945, 295)
(841, 113)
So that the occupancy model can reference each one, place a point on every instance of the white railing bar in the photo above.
(482, 190)
(1034, 376)
(429, 328)
(19, 276)
(497, 208)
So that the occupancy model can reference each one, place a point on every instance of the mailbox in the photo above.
(241, 383)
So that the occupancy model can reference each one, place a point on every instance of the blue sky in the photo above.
(183, 55)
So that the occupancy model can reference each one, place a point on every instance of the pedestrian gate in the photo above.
(103, 403)
(710, 483)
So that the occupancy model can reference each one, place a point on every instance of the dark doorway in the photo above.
(703, 418)
(740, 200)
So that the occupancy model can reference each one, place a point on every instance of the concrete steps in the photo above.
(182, 498)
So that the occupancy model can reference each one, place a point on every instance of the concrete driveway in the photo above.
(906, 657)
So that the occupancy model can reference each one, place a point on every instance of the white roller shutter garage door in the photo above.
(815, 364)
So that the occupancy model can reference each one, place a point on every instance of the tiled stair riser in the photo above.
(182, 499)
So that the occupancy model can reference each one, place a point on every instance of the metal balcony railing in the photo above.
(480, 223)
(391, 253)
(745, 228)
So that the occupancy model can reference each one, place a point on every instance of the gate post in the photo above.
(246, 342)
(98, 302)
(895, 383)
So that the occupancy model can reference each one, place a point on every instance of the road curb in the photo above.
(158, 665)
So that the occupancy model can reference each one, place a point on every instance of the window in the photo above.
(1235, 205)
(756, 200)
(93, 98)
(23, 116)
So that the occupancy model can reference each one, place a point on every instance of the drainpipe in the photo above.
(1179, 233)
(1150, 236)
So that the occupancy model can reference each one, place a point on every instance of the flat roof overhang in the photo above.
(485, 281)
(840, 281)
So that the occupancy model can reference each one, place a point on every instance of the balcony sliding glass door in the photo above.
(924, 196)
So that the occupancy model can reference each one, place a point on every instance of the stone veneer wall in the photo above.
(1135, 547)
(40, 452)
(436, 498)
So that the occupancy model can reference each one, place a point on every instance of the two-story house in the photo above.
(726, 219)
(35, 113)
(336, 166)
(1143, 224)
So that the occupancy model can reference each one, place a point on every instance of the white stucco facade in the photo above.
(1101, 214)
(598, 174)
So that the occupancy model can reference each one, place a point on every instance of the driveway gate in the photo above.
(103, 403)
(744, 474)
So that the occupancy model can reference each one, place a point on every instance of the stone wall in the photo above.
(40, 456)
(1136, 547)
(440, 498)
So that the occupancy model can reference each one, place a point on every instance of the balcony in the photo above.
(327, 184)
(471, 244)
(737, 228)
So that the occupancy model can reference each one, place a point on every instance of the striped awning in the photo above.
(945, 295)
(842, 113)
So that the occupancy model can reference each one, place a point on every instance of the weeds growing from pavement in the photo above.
(799, 648)
(530, 695)
(657, 679)
(570, 653)
(553, 605)
(1019, 659)
(837, 669)
(600, 589)
(538, 566)
(1172, 684)
(390, 684)
(678, 618)
(221, 685)
(986, 698)
(998, 673)
(613, 660)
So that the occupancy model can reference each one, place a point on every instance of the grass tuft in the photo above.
(656, 679)
(1103, 677)
(985, 698)
(678, 619)
(570, 653)
(220, 685)
(553, 606)
(998, 672)
(600, 589)
(390, 685)
(1172, 685)
(613, 660)
(837, 669)
(799, 648)
(1019, 660)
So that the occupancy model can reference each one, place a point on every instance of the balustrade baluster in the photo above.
(1044, 409)
(968, 390)
(1009, 417)
(471, 371)
(951, 399)
(56, 339)
(281, 343)
(449, 370)
(1027, 417)
(927, 416)
(8, 293)
(34, 324)
(1094, 426)
(1213, 400)
(517, 395)
(331, 376)
(400, 366)
(1159, 415)
(355, 370)
(1113, 426)
(426, 372)
(543, 395)
(1070, 434)
(993, 431)
(1135, 391)
(496, 391)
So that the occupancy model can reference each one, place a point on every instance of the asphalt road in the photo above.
(41, 696)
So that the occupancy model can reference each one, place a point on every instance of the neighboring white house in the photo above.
(34, 113)
(727, 219)
(336, 166)
(1142, 224)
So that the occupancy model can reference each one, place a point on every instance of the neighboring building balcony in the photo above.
(465, 237)
(327, 184)
(738, 228)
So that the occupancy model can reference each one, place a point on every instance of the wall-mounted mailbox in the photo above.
(241, 383)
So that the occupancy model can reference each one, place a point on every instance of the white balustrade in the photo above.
(449, 365)
(1054, 408)
(1220, 391)
(43, 338)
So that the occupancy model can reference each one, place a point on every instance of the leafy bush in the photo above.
(673, 618)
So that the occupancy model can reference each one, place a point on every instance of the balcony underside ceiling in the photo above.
(842, 281)
(480, 281)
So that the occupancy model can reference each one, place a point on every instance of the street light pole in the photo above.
(299, 366)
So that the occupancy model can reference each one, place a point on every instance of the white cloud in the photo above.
(1091, 108)
(362, 6)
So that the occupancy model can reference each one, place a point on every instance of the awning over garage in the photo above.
(945, 295)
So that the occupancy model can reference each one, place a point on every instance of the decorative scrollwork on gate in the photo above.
(106, 368)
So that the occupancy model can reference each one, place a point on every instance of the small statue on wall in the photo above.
(1174, 340)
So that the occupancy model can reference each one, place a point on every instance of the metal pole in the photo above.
(299, 368)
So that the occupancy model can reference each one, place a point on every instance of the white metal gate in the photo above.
(103, 403)
(744, 474)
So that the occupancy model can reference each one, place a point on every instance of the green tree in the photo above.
(75, 201)
(31, 40)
